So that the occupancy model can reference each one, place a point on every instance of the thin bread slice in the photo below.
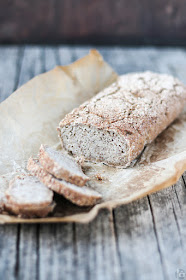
(62, 166)
(82, 196)
(28, 191)
(27, 196)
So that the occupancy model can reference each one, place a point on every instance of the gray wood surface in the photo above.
(142, 240)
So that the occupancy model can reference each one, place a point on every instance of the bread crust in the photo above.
(82, 196)
(137, 107)
(60, 172)
(19, 188)
(39, 212)
(28, 197)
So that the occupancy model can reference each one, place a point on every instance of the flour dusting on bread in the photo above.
(115, 125)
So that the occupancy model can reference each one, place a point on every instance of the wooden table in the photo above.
(142, 240)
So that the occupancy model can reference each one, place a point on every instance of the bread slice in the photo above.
(28, 197)
(82, 196)
(62, 166)
(115, 125)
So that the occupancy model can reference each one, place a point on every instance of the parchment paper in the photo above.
(30, 116)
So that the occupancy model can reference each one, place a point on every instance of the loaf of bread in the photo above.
(115, 125)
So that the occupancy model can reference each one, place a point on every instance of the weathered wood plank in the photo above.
(27, 246)
(8, 251)
(56, 252)
(167, 217)
(180, 190)
(96, 249)
(137, 244)
(27, 252)
(125, 60)
(32, 64)
(10, 59)
(170, 61)
(79, 251)
(65, 55)
(51, 57)
(56, 243)
(106, 21)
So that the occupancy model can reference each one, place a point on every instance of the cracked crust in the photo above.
(62, 166)
(82, 196)
(136, 109)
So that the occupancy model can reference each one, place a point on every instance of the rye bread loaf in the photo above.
(28, 197)
(62, 166)
(115, 125)
(82, 196)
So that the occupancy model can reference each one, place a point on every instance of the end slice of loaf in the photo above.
(115, 125)
(62, 166)
(28, 197)
(82, 196)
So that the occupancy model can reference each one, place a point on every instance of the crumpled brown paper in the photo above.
(30, 116)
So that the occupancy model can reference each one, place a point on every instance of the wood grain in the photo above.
(142, 240)
(168, 229)
(27, 258)
(9, 70)
(8, 252)
(96, 250)
(27, 252)
(56, 249)
(98, 22)
(9, 235)
(137, 242)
